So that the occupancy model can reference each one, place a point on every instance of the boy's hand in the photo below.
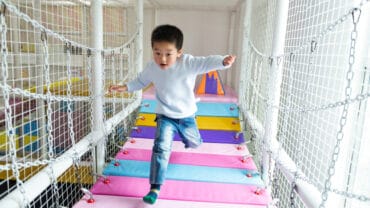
(229, 60)
(118, 88)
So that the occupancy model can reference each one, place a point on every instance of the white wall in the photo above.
(205, 32)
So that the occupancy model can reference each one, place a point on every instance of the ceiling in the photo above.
(163, 4)
(195, 4)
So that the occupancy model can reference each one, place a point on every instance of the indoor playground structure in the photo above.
(286, 126)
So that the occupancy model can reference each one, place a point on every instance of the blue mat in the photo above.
(204, 109)
(134, 168)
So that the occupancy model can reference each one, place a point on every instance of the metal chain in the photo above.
(291, 70)
(351, 195)
(51, 154)
(356, 13)
(90, 83)
(48, 95)
(54, 183)
(254, 70)
(60, 37)
(106, 133)
(318, 37)
(357, 98)
(113, 134)
(10, 130)
(25, 93)
(39, 26)
(69, 93)
(76, 165)
(303, 116)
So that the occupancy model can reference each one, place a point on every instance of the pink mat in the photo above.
(229, 97)
(205, 148)
(212, 160)
(183, 190)
(104, 201)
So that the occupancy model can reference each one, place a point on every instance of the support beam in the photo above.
(278, 42)
(96, 13)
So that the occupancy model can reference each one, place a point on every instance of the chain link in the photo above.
(69, 93)
(10, 130)
(49, 119)
(76, 165)
(356, 13)
(303, 116)
(54, 183)
(60, 37)
(90, 83)
(6, 88)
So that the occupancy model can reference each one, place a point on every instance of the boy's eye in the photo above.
(168, 54)
(157, 53)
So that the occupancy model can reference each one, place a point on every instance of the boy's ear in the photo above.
(179, 53)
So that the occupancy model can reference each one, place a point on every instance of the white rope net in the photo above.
(47, 98)
(323, 112)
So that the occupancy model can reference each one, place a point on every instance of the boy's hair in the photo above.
(168, 33)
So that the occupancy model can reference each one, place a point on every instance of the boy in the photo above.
(173, 75)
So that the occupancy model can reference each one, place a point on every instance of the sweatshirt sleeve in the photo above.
(202, 65)
(141, 81)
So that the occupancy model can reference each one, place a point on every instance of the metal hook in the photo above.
(88, 52)
(3, 8)
(68, 46)
(313, 46)
(44, 36)
(356, 13)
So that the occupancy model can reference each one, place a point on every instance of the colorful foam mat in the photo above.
(104, 201)
(229, 97)
(135, 168)
(208, 136)
(204, 108)
(187, 158)
(184, 190)
(205, 148)
(204, 122)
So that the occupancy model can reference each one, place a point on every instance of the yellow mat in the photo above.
(68, 177)
(204, 122)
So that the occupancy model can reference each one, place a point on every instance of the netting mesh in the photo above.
(324, 68)
(47, 98)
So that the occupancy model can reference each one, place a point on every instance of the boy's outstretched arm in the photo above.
(201, 64)
(141, 81)
(229, 60)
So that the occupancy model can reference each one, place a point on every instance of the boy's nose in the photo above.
(163, 58)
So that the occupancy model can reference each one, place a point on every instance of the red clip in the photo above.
(132, 141)
(258, 191)
(249, 175)
(239, 147)
(106, 181)
(90, 201)
(116, 164)
(125, 152)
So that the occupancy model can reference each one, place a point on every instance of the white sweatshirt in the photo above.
(174, 87)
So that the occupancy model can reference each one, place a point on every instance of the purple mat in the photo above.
(211, 136)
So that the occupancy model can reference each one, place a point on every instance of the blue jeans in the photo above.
(166, 129)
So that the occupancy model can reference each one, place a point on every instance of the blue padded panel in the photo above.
(204, 108)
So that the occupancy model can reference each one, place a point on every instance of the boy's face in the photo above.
(165, 54)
